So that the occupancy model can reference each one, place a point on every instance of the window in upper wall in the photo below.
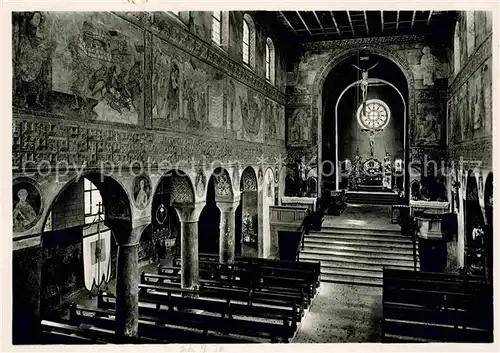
(248, 43)
(270, 61)
(471, 36)
(217, 27)
(456, 49)
(92, 202)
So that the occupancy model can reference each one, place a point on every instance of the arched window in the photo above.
(248, 44)
(471, 36)
(217, 27)
(270, 61)
(456, 49)
(377, 115)
(92, 202)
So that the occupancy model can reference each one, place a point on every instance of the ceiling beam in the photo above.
(335, 23)
(382, 19)
(397, 21)
(288, 22)
(304, 23)
(350, 22)
(429, 18)
(319, 22)
(366, 22)
(413, 18)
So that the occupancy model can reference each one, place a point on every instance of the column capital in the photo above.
(189, 212)
(227, 206)
(124, 234)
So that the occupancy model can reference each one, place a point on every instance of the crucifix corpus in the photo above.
(364, 83)
(372, 139)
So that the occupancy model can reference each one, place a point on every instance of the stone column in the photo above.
(26, 287)
(189, 215)
(127, 282)
(227, 225)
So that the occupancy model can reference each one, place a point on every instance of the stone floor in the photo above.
(343, 313)
(363, 216)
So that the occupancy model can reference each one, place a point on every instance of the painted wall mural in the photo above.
(430, 124)
(142, 191)
(429, 68)
(27, 206)
(299, 127)
(200, 183)
(33, 46)
(88, 65)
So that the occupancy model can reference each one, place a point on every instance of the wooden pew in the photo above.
(311, 266)
(256, 276)
(65, 333)
(169, 309)
(150, 330)
(423, 307)
(211, 289)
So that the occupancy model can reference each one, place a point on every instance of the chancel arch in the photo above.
(361, 87)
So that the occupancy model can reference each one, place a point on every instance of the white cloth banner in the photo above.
(96, 256)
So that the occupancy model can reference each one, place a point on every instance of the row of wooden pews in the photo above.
(436, 307)
(250, 300)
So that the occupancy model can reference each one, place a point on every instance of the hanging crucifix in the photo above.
(372, 139)
(364, 83)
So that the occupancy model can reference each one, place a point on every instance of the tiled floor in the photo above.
(363, 216)
(343, 313)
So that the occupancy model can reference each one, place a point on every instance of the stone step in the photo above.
(351, 280)
(354, 237)
(371, 244)
(332, 259)
(365, 266)
(326, 229)
(350, 272)
(395, 250)
(357, 253)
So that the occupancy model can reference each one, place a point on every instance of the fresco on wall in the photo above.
(33, 45)
(427, 66)
(97, 67)
(486, 86)
(188, 95)
(429, 129)
(200, 183)
(462, 113)
(230, 93)
(299, 127)
(248, 114)
(142, 191)
(165, 86)
(216, 102)
(27, 206)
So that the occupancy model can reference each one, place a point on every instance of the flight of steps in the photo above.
(372, 198)
(351, 255)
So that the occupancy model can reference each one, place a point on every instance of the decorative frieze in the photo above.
(53, 141)
(355, 42)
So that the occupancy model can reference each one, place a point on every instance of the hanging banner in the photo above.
(96, 255)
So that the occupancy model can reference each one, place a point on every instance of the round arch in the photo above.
(102, 186)
(181, 184)
(335, 59)
(370, 80)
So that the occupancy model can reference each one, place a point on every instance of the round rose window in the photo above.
(376, 117)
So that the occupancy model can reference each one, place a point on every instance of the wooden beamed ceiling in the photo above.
(307, 26)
